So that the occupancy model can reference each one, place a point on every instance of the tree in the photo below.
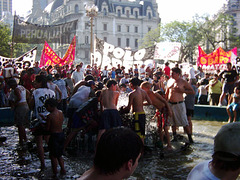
(5, 36)
(218, 32)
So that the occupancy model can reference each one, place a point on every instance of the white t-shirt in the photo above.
(79, 97)
(202, 172)
(40, 95)
(78, 76)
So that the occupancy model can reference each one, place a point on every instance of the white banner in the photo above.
(167, 51)
(27, 59)
(108, 55)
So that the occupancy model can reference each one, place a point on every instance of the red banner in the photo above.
(216, 60)
(49, 57)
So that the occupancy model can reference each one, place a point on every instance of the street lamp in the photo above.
(91, 13)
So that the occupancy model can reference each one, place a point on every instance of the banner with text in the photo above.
(26, 60)
(49, 57)
(167, 51)
(108, 55)
(25, 32)
(216, 60)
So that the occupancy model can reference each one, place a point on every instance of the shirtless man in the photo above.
(56, 140)
(174, 94)
(136, 99)
(110, 116)
(159, 103)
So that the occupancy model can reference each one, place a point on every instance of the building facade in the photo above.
(122, 23)
(5, 7)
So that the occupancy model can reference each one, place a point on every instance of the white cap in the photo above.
(228, 139)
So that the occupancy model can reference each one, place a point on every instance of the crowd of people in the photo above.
(53, 93)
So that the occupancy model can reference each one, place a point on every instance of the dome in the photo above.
(56, 4)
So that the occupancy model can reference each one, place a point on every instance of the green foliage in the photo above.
(5, 36)
(209, 33)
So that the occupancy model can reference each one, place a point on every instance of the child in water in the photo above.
(234, 106)
(56, 141)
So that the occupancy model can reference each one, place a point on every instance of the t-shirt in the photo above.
(202, 172)
(62, 86)
(229, 76)
(40, 95)
(217, 88)
(79, 97)
(167, 70)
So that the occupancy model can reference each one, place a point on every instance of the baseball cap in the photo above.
(228, 139)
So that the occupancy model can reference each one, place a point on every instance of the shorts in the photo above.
(162, 118)
(190, 112)
(139, 123)
(21, 115)
(233, 106)
(56, 144)
(228, 88)
(179, 116)
(110, 118)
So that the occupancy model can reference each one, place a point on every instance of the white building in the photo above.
(122, 23)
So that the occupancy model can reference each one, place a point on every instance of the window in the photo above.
(136, 29)
(105, 39)
(105, 27)
(86, 25)
(127, 42)
(234, 15)
(119, 13)
(105, 12)
(136, 43)
(119, 42)
(128, 13)
(76, 9)
(149, 15)
(149, 29)
(128, 28)
(119, 28)
(86, 40)
(86, 54)
(136, 14)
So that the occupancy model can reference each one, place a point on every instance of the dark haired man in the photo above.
(117, 155)
(110, 116)
(225, 163)
(174, 94)
(136, 99)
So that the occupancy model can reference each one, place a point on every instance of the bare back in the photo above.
(55, 121)
(136, 99)
(109, 99)
(157, 100)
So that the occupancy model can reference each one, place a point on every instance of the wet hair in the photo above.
(135, 81)
(89, 77)
(12, 82)
(176, 70)
(51, 102)
(116, 147)
(98, 93)
(146, 85)
(41, 79)
(111, 82)
(225, 161)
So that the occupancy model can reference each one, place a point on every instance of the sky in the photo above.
(169, 10)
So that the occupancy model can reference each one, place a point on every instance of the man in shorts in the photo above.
(136, 99)
(110, 116)
(174, 94)
(230, 76)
